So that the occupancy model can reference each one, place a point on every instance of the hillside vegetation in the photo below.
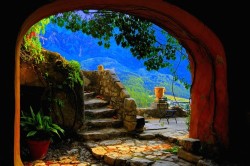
(132, 73)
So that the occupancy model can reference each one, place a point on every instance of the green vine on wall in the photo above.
(72, 70)
(31, 42)
(47, 64)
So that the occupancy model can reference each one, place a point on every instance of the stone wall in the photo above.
(36, 91)
(107, 84)
(155, 112)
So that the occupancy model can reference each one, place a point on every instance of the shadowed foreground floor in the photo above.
(150, 147)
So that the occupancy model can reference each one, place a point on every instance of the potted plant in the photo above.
(39, 130)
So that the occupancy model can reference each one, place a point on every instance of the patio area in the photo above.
(145, 148)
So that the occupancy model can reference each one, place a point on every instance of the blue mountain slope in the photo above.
(84, 49)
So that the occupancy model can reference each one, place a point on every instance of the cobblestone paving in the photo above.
(122, 151)
(145, 149)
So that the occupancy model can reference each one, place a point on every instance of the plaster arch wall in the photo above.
(209, 119)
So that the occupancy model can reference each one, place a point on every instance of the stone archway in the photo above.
(209, 119)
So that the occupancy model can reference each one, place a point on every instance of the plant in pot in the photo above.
(39, 131)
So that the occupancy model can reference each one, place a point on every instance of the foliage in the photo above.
(39, 126)
(135, 87)
(71, 70)
(68, 79)
(188, 119)
(138, 89)
(173, 149)
(32, 53)
(151, 80)
(74, 77)
(31, 42)
(179, 99)
(129, 31)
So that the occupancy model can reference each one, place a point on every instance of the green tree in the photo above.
(129, 31)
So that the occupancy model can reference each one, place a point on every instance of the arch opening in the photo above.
(209, 104)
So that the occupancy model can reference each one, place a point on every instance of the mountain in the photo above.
(84, 49)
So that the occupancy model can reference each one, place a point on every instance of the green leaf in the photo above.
(31, 133)
(39, 126)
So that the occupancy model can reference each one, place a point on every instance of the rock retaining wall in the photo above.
(107, 84)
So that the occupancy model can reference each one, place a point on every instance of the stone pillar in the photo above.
(130, 114)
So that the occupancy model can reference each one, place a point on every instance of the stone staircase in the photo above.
(101, 121)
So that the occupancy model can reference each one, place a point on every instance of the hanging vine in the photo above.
(42, 61)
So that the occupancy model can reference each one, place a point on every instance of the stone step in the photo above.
(89, 95)
(95, 103)
(103, 112)
(103, 123)
(102, 134)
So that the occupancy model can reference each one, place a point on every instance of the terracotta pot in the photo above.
(100, 68)
(38, 149)
(159, 92)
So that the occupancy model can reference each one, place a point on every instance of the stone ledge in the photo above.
(189, 156)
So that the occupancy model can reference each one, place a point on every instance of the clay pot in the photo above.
(100, 68)
(159, 92)
(38, 149)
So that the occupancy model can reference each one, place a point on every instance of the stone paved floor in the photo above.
(148, 148)
(122, 151)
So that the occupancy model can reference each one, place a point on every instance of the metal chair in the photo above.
(166, 112)
(170, 114)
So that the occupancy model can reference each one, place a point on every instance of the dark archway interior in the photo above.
(32, 96)
(238, 114)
